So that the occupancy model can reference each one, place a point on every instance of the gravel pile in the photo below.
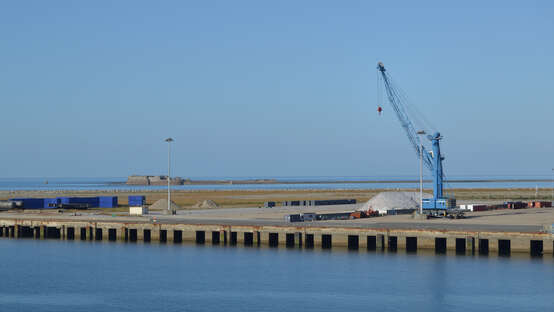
(161, 204)
(206, 204)
(394, 200)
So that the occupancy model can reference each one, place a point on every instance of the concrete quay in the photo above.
(325, 235)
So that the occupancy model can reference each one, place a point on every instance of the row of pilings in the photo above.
(536, 244)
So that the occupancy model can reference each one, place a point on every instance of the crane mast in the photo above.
(432, 160)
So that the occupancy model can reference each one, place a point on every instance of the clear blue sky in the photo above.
(272, 88)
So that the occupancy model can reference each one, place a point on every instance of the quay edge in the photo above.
(298, 236)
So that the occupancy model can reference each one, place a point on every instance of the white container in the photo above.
(138, 211)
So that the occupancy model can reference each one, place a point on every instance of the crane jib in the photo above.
(405, 121)
(433, 161)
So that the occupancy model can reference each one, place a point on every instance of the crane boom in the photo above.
(433, 160)
(402, 115)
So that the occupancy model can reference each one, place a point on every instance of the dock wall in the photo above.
(285, 236)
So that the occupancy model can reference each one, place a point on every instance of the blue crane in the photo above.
(432, 160)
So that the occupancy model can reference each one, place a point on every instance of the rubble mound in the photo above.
(394, 200)
(206, 204)
(161, 204)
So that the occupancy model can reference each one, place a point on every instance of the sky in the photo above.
(272, 88)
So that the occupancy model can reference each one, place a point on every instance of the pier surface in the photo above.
(500, 231)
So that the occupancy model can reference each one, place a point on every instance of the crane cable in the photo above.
(420, 120)
(379, 91)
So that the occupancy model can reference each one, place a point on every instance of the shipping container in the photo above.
(500, 206)
(308, 216)
(137, 200)
(92, 202)
(480, 208)
(138, 211)
(539, 204)
(334, 202)
(400, 211)
(516, 205)
(50, 203)
(62, 200)
(318, 202)
(107, 202)
(334, 216)
(293, 218)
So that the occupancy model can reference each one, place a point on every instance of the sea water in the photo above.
(52, 275)
(323, 183)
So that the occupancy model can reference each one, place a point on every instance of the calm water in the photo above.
(117, 184)
(101, 276)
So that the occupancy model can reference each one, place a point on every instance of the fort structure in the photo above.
(153, 180)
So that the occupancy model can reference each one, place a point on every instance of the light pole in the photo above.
(421, 132)
(552, 187)
(169, 140)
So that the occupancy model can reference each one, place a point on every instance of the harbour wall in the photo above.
(468, 242)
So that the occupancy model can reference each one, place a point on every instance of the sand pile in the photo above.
(206, 204)
(161, 204)
(394, 200)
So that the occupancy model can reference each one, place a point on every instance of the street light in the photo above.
(169, 140)
(421, 132)
(552, 187)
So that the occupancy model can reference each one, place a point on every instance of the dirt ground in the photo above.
(536, 220)
(256, 198)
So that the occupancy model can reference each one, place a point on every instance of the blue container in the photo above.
(50, 203)
(93, 202)
(30, 203)
(107, 201)
(137, 200)
(62, 200)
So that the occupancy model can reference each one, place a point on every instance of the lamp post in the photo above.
(421, 132)
(169, 140)
(552, 187)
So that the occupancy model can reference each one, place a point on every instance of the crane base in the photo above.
(444, 213)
